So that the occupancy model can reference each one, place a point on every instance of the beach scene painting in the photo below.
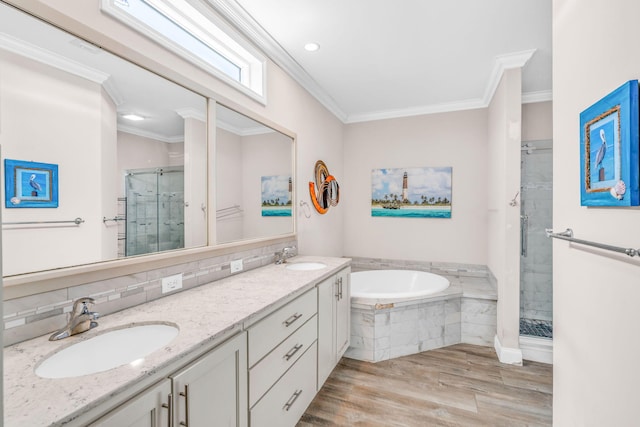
(411, 192)
(276, 195)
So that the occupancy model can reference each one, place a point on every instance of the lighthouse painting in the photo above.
(411, 192)
(276, 195)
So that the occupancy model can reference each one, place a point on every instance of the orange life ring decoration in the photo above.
(328, 193)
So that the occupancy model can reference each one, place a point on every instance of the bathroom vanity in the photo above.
(253, 349)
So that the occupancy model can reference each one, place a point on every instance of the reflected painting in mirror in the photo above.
(254, 186)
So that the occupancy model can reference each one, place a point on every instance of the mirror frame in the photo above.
(49, 280)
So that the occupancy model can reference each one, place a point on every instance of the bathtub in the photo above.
(400, 312)
(392, 285)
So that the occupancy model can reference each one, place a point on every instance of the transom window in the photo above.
(190, 29)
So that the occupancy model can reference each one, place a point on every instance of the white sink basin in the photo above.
(106, 351)
(306, 266)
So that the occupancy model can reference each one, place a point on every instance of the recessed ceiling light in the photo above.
(133, 117)
(311, 47)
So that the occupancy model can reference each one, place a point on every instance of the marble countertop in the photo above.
(205, 315)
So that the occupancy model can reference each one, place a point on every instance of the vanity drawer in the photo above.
(285, 403)
(266, 372)
(273, 329)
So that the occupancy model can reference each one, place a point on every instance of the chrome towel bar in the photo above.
(568, 235)
(76, 221)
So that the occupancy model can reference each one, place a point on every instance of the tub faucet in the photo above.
(80, 320)
(281, 256)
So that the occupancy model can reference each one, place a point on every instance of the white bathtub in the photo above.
(394, 284)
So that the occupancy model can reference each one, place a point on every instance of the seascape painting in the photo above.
(276, 195)
(411, 192)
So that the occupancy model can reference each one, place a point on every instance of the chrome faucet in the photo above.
(80, 320)
(281, 256)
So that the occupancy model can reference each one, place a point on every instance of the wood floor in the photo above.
(460, 385)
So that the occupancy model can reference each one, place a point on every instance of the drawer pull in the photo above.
(290, 321)
(293, 351)
(185, 394)
(292, 400)
(169, 406)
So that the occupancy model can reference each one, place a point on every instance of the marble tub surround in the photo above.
(463, 313)
(34, 315)
(206, 316)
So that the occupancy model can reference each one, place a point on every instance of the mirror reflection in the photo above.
(130, 149)
(254, 188)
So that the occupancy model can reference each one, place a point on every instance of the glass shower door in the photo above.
(536, 280)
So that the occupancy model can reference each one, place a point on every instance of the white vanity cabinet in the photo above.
(151, 408)
(334, 322)
(212, 390)
(282, 363)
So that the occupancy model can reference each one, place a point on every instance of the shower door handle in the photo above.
(524, 228)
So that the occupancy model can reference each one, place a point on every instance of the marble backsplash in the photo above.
(31, 316)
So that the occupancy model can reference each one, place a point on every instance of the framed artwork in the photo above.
(609, 143)
(411, 192)
(276, 195)
(30, 184)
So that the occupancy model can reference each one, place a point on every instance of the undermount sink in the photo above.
(108, 350)
(306, 266)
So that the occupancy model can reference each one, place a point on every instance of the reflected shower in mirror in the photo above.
(130, 148)
(254, 187)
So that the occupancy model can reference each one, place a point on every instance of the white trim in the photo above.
(191, 113)
(540, 96)
(237, 16)
(511, 356)
(537, 349)
(54, 60)
(151, 135)
(502, 63)
(258, 130)
(247, 25)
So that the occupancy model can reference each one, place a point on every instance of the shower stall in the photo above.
(154, 210)
(536, 191)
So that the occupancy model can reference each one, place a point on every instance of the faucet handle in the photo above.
(84, 301)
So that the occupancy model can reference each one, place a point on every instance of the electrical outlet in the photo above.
(171, 283)
(236, 266)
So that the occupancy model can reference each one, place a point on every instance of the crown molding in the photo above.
(151, 135)
(540, 96)
(191, 113)
(259, 130)
(502, 63)
(44, 56)
(470, 104)
(238, 17)
(250, 28)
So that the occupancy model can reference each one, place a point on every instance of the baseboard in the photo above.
(537, 349)
(511, 356)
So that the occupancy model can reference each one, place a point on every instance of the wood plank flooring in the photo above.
(460, 385)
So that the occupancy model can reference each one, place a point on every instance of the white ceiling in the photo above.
(382, 58)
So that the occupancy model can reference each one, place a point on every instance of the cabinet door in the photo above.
(144, 410)
(213, 390)
(326, 350)
(343, 313)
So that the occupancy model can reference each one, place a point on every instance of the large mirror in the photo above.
(254, 190)
(101, 159)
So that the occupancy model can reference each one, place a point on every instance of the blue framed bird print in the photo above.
(609, 144)
(30, 184)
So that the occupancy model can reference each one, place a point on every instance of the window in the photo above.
(196, 33)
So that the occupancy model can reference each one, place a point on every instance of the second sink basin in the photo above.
(108, 350)
(306, 266)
